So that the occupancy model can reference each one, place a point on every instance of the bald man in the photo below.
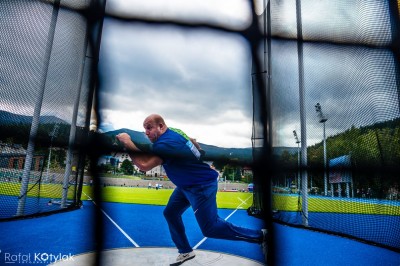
(196, 186)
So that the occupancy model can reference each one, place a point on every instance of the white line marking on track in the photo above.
(205, 238)
(116, 225)
(243, 201)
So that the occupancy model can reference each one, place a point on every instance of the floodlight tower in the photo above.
(322, 119)
(298, 158)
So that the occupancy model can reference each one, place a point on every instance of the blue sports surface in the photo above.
(133, 225)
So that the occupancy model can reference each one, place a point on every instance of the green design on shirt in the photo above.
(180, 132)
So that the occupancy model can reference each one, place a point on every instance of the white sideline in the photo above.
(136, 245)
(205, 238)
(116, 225)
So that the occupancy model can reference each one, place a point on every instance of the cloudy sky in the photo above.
(200, 81)
(37, 66)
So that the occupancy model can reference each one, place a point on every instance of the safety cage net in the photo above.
(49, 76)
(49, 55)
(45, 95)
(326, 119)
(331, 70)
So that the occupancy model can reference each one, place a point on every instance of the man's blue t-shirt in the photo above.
(181, 160)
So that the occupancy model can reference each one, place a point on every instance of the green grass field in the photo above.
(343, 205)
(46, 190)
(228, 200)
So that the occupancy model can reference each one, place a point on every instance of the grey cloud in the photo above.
(355, 85)
(188, 75)
(25, 31)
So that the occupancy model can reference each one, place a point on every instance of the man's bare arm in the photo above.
(143, 161)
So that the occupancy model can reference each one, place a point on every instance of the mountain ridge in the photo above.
(212, 152)
(8, 118)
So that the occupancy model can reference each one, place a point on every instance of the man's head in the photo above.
(154, 126)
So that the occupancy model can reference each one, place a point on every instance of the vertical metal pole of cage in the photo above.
(36, 113)
(72, 133)
(394, 11)
(304, 183)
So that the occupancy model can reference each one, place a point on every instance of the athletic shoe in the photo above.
(264, 244)
(183, 257)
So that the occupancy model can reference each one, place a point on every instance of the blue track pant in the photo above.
(202, 198)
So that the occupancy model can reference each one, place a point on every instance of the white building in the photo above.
(122, 156)
(157, 171)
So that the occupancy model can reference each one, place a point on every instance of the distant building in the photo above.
(118, 158)
(247, 170)
(157, 171)
(12, 156)
(104, 160)
(121, 157)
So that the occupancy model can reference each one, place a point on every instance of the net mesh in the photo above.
(334, 108)
(44, 96)
(325, 68)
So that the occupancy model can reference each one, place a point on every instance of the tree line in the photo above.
(374, 151)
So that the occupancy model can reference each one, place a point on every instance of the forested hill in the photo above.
(7, 118)
(377, 144)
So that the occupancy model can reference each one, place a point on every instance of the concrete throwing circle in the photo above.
(156, 257)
